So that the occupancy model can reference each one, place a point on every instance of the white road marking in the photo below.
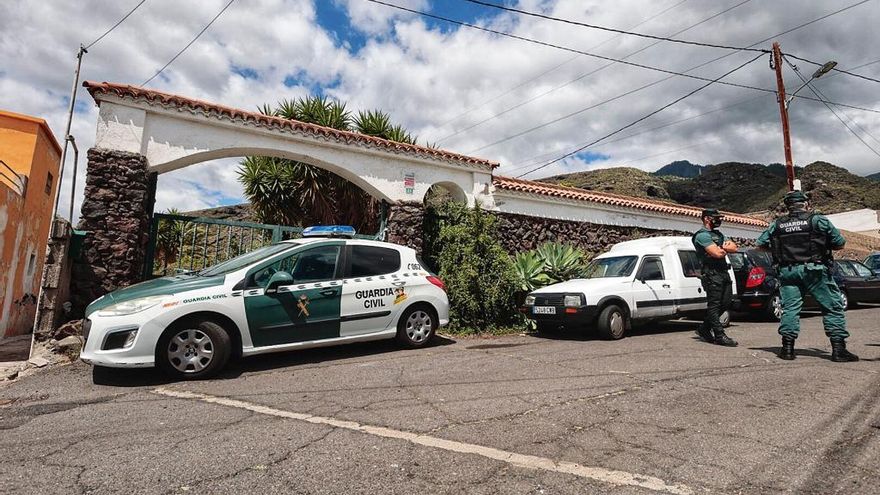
(521, 460)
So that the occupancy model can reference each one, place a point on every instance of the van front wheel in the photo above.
(611, 322)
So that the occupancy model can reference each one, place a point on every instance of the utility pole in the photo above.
(67, 138)
(783, 111)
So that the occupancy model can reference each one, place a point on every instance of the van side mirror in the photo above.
(278, 279)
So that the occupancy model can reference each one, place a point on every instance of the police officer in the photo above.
(801, 243)
(712, 249)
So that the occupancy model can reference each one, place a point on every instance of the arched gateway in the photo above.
(142, 133)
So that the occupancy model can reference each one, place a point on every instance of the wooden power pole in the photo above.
(783, 111)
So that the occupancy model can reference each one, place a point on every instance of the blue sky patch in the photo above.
(333, 17)
(245, 72)
(591, 156)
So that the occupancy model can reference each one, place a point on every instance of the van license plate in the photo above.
(544, 310)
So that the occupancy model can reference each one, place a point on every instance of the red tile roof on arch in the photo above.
(137, 93)
(564, 192)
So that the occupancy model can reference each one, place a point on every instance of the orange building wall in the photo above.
(28, 147)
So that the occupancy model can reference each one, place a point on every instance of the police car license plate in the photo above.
(544, 310)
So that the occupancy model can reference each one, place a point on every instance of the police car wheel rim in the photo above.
(190, 351)
(418, 326)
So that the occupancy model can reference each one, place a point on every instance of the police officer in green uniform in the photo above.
(712, 249)
(801, 243)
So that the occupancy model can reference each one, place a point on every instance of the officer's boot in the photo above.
(839, 354)
(721, 338)
(787, 351)
(705, 334)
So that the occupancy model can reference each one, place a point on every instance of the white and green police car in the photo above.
(323, 289)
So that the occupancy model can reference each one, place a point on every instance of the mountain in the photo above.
(736, 187)
(680, 168)
(874, 176)
(620, 180)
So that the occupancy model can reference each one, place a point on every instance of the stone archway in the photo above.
(143, 133)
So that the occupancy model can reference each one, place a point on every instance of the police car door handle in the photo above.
(328, 292)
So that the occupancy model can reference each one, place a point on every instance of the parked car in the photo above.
(758, 286)
(324, 289)
(873, 262)
(638, 281)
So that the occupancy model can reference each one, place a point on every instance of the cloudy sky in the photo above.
(466, 90)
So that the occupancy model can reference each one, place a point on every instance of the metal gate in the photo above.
(182, 244)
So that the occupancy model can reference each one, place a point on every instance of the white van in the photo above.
(639, 281)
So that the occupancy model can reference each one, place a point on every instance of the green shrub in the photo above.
(529, 269)
(479, 275)
(562, 261)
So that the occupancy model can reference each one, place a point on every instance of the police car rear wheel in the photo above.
(416, 326)
(194, 349)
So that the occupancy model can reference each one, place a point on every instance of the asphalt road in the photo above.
(657, 412)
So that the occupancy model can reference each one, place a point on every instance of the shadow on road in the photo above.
(811, 352)
(151, 377)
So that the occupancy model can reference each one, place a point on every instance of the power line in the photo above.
(827, 105)
(532, 160)
(614, 30)
(114, 26)
(666, 71)
(544, 73)
(835, 69)
(188, 44)
(594, 71)
(560, 47)
(640, 119)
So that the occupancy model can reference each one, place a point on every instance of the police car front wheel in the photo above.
(194, 349)
(416, 326)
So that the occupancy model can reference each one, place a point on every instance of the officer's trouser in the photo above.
(719, 291)
(816, 279)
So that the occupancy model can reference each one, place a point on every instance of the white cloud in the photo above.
(427, 77)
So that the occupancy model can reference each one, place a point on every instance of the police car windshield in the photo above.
(615, 266)
(244, 260)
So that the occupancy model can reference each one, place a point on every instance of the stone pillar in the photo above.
(115, 212)
(55, 285)
(404, 224)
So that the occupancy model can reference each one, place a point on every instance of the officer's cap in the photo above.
(793, 197)
(710, 212)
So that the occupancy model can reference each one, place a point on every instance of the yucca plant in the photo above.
(562, 261)
(288, 192)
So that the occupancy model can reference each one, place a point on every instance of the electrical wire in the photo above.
(189, 44)
(644, 117)
(594, 71)
(827, 105)
(614, 30)
(835, 69)
(534, 160)
(548, 71)
(86, 48)
(673, 73)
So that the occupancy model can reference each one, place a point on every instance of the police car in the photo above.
(324, 289)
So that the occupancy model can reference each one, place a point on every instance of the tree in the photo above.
(289, 192)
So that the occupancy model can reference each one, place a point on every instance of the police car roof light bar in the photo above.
(329, 231)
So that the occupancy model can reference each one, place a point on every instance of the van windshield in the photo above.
(614, 266)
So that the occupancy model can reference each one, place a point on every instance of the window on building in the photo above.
(32, 265)
(49, 182)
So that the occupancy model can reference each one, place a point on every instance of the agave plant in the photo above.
(561, 261)
(529, 269)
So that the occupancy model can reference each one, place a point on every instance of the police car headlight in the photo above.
(530, 300)
(572, 301)
(133, 306)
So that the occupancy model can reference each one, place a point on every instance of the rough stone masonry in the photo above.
(116, 213)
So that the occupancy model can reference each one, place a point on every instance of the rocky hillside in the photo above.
(738, 187)
(621, 180)
(874, 176)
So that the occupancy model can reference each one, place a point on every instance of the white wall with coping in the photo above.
(175, 137)
(864, 221)
(538, 205)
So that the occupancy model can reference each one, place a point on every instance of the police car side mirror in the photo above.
(278, 279)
